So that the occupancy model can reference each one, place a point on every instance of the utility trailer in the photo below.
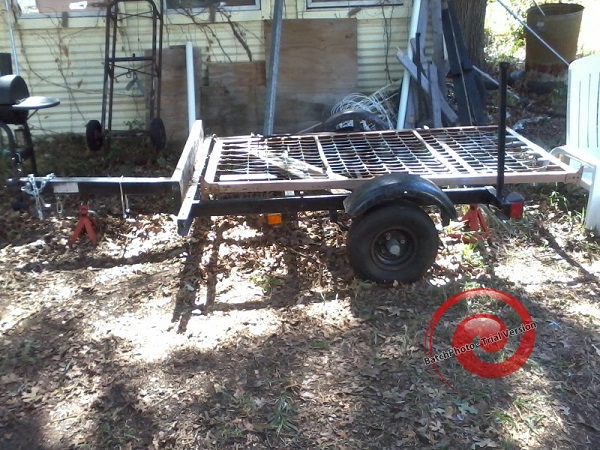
(382, 179)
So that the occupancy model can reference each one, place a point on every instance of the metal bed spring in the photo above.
(447, 156)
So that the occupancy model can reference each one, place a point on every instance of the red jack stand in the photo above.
(475, 223)
(86, 221)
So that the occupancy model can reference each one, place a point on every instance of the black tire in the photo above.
(349, 121)
(392, 243)
(157, 133)
(93, 135)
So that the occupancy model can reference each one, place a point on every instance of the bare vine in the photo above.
(206, 27)
(237, 31)
(60, 51)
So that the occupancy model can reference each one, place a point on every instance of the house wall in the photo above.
(64, 58)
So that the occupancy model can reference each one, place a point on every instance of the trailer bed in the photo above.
(449, 157)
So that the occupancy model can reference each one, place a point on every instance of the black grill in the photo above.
(13, 91)
(15, 107)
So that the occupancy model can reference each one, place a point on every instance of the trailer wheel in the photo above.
(93, 135)
(392, 243)
(158, 134)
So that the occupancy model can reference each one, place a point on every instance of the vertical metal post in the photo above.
(502, 129)
(273, 74)
(107, 56)
(11, 35)
(405, 86)
(154, 72)
(114, 24)
(191, 84)
(160, 19)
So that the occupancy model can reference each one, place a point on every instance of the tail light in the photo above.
(513, 205)
(274, 219)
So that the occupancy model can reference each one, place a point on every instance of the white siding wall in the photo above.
(66, 62)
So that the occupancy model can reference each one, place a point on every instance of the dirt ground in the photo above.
(113, 347)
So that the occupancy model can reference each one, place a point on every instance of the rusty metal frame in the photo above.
(461, 156)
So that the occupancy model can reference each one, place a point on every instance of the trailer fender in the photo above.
(399, 188)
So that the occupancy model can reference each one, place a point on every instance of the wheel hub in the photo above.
(392, 248)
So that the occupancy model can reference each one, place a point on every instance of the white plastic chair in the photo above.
(583, 130)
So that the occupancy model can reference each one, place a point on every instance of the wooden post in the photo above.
(411, 69)
(436, 107)
(439, 58)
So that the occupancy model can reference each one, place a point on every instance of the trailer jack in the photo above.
(474, 226)
(88, 222)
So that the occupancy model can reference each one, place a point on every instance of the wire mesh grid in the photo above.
(478, 152)
(345, 158)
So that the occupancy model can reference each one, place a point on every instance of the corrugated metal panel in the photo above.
(67, 62)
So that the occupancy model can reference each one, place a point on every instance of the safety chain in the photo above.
(31, 188)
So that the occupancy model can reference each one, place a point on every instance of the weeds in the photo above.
(135, 124)
(26, 352)
(358, 287)
(470, 284)
(319, 344)
(558, 98)
(244, 404)
(231, 431)
(502, 417)
(558, 199)
(470, 255)
(281, 419)
(283, 416)
(112, 436)
(267, 283)
(405, 339)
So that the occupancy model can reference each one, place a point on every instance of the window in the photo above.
(93, 7)
(312, 4)
(56, 7)
(222, 4)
